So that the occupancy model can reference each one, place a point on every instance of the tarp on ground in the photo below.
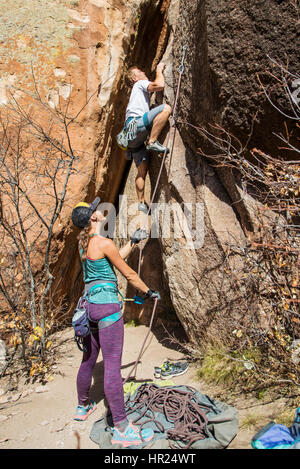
(221, 428)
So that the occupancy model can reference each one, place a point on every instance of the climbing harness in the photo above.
(180, 71)
(179, 406)
(81, 320)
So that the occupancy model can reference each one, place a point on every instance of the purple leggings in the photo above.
(110, 340)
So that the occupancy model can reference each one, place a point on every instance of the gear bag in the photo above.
(273, 436)
(80, 323)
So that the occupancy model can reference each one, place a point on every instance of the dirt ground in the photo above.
(41, 417)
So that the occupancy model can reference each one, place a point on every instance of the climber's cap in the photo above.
(83, 211)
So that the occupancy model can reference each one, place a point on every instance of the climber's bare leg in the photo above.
(140, 179)
(142, 171)
(159, 123)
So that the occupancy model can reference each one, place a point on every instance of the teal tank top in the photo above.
(100, 269)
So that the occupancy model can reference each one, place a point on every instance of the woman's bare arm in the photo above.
(126, 250)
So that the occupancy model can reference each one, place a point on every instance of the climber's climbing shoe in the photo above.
(171, 370)
(156, 146)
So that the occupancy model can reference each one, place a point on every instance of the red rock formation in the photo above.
(80, 53)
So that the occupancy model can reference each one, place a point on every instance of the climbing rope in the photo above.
(180, 71)
(144, 343)
(179, 407)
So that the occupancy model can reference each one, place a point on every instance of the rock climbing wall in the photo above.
(79, 52)
(227, 46)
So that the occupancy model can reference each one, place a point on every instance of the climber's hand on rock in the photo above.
(160, 67)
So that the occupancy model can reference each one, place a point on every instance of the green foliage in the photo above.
(286, 417)
(261, 394)
(250, 421)
(221, 367)
(132, 323)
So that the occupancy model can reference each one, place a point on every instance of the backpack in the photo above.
(127, 134)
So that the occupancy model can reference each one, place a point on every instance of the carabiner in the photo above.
(181, 66)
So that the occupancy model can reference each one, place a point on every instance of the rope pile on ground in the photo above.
(178, 407)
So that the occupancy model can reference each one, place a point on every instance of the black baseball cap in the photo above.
(83, 211)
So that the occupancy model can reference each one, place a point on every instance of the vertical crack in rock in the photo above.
(144, 46)
(146, 50)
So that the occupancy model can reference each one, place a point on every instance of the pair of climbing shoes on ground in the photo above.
(170, 370)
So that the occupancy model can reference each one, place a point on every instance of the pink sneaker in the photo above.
(82, 411)
(131, 436)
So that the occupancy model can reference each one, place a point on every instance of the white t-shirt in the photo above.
(139, 101)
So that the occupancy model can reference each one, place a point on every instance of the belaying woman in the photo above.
(99, 256)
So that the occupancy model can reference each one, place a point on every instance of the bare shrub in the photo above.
(37, 160)
(269, 319)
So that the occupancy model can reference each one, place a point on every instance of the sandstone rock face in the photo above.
(230, 45)
(80, 52)
(75, 52)
(2, 354)
(224, 45)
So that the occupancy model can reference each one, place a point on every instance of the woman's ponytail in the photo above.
(83, 239)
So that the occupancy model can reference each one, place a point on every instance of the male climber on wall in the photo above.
(148, 123)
